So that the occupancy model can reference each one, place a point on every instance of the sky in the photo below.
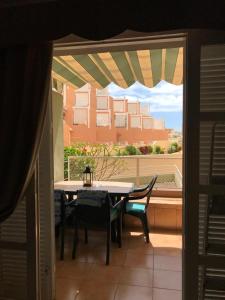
(165, 100)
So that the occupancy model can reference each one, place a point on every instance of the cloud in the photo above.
(163, 97)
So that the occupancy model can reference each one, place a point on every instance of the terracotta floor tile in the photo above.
(163, 294)
(95, 290)
(167, 279)
(139, 261)
(166, 240)
(173, 263)
(167, 251)
(128, 292)
(94, 255)
(59, 268)
(138, 244)
(137, 271)
(104, 273)
(66, 289)
(118, 257)
(136, 276)
(74, 269)
(98, 256)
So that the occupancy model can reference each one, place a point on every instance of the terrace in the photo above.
(137, 270)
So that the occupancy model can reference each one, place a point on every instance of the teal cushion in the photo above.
(135, 207)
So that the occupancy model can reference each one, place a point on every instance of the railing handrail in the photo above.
(144, 156)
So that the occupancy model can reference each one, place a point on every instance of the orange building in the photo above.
(91, 115)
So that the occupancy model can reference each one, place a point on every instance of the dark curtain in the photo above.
(24, 87)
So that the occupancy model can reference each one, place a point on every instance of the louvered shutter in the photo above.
(212, 170)
(205, 214)
(13, 255)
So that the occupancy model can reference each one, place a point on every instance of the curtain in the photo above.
(24, 87)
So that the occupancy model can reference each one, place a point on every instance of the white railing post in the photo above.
(137, 171)
(68, 168)
(178, 177)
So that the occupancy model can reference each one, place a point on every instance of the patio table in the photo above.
(114, 188)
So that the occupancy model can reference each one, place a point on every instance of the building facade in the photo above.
(91, 115)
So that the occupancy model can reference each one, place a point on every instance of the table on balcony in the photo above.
(114, 188)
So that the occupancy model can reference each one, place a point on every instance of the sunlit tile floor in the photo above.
(137, 271)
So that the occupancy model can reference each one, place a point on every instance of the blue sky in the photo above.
(165, 100)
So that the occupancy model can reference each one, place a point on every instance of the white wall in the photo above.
(58, 146)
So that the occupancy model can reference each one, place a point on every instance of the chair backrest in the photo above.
(59, 200)
(144, 193)
(150, 188)
(93, 206)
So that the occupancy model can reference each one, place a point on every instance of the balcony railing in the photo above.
(137, 168)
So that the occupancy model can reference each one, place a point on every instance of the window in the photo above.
(133, 108)
(135, 122)
(80, 116)
(145, 109)
(121, 120)
(102, 119)
(102, 102)
(81, 99)
(118, 105)
(147, 123)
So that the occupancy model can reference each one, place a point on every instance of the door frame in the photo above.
(131, 40)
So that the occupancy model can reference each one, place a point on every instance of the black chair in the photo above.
(138, 209)
(63, 211)
(97, 208)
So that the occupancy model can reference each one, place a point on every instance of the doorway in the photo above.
(166, 255)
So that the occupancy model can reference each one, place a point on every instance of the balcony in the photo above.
(137, 270)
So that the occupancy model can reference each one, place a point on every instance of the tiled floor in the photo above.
(137, 271)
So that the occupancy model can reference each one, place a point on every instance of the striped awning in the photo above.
(123, 68)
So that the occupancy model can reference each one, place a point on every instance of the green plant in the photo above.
(173, 147)
(97, 156)
(157, 149)
(132, 150)
(150, 149)
(124, 152)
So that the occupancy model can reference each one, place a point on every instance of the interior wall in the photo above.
(58, 145)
